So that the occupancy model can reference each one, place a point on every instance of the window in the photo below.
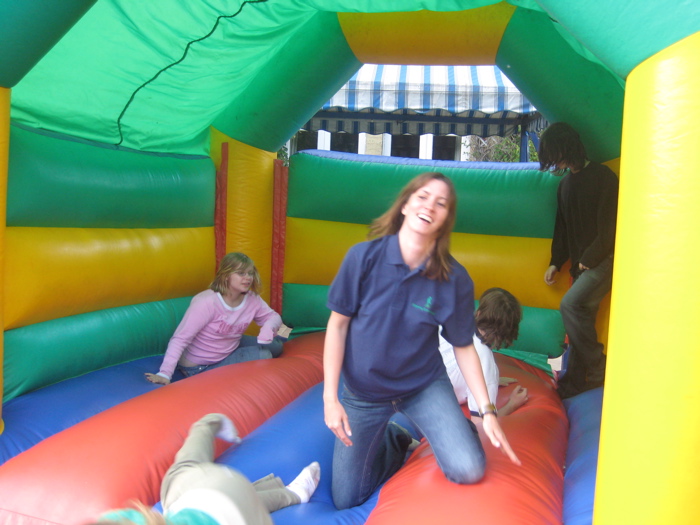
(446, 147)
(306, 140)
(346, 142)
(405, 146)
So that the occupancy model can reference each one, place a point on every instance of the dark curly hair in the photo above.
(498, 318)
(561, 144)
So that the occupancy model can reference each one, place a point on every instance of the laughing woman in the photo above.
(387, 303)
(211, 333)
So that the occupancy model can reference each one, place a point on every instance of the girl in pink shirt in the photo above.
(211, 333)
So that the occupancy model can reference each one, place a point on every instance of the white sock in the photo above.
(228, 431)
(306, 482)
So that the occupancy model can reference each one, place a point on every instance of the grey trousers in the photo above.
(579, 308)
(194, 469)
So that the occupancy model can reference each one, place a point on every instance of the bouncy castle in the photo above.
(137, 145)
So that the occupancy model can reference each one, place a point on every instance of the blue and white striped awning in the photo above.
(442, 100)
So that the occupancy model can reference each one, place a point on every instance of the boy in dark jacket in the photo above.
(584, 233)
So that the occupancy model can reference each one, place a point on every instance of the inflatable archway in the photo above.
(155, 77)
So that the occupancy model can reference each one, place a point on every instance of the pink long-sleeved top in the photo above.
(211, 330)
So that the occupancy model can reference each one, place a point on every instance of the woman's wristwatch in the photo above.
(488, 409)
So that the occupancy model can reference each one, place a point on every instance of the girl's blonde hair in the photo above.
(233, 263)
(438, 266)
(145, 516)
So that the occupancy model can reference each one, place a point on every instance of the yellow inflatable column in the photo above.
(4, 155)
(649, 460)
(249, 202)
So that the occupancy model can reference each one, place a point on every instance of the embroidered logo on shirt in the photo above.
(428, 306)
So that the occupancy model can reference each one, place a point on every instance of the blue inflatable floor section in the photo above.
(584, 412)
(38, 415)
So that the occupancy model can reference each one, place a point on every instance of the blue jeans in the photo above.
(376, 454)
(585, 368)
(248, 350)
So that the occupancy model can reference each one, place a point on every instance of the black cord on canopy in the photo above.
(184, 55)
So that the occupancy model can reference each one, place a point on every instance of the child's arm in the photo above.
(518, 397)
(268, 320)
(560, 244)
(196, 317)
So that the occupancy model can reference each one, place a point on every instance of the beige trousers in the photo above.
(194, 469)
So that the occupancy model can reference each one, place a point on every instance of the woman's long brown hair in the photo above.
(438, 266)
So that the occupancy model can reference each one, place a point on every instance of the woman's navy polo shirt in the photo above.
(392, 344)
